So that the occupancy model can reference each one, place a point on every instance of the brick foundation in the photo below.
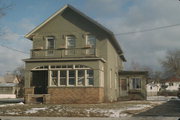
(70, 95)
(29, 90)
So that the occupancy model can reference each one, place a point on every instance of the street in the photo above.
(94, 118)
(169, 109)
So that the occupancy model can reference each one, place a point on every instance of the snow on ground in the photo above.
(34, 110)
(161, 98)
(4, 105)
(118, 112)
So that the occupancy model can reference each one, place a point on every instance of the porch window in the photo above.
(63, 77)
(81, 77)
(68, 75)
(90, 77)
(54, 78)
(70, 44)
(91, 41)
(72, 77)
(136, 83)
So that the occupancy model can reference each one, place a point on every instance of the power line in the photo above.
(13, 49)
(125, 33)
(148, 30)
(140, 31)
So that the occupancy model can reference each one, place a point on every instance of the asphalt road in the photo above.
(169, 109)
(68, 118)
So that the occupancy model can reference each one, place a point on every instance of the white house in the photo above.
(8, 86)
(152, 89)
(173, 84)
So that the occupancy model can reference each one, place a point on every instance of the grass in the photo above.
(116, 109)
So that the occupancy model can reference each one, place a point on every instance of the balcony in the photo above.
(64, 53)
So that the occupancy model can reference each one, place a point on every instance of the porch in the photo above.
(64, 53)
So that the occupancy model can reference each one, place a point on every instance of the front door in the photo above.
(123, 87)
(40, 82)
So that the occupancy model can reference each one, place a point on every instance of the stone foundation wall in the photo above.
(71, 95)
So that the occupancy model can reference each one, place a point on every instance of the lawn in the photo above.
(116, 109)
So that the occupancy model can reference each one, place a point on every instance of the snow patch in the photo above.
(5, 105)
(34, 110)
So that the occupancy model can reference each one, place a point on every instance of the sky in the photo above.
(120, 16)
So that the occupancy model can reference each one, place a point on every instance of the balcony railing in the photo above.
(64, 53)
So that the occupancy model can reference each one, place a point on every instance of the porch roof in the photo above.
(133, 72)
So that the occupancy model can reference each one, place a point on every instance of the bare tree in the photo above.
(171, 63)
(19, 73)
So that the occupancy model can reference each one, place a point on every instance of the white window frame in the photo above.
(50, 69)
(47, 38)
(89, 44)
(66, 52)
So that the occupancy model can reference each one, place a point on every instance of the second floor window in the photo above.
(50, 43)
(91, 41)
(70, 44)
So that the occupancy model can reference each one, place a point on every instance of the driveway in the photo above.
(170, 109)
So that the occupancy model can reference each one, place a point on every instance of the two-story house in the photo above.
(74, 59)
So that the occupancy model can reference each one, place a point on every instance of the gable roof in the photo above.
(110, 33)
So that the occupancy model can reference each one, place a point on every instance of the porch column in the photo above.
(49, 76)
(28, 77)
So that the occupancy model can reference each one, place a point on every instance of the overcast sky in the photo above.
(120, 16)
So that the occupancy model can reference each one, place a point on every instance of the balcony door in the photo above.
(70, 45)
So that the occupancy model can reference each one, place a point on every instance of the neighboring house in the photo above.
(173, 84)
(133, 85)
(74, 59)
(2, 79)
(153, 88)
(9, 86)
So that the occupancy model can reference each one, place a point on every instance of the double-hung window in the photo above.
(70, 44)
(91, 41)
(50, 45)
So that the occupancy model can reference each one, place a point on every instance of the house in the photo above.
(74, 59)
(173, 84)
(153, 88)
(9, 86)
(133, 85)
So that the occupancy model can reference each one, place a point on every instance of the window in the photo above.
(50, 42)
(91, 41)
(81, 77)
(171, 84)
(71, 44)
(72, 77)
(63, 77)
(54, 78)
(136, 83)
(90, 77)
(50, 45)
